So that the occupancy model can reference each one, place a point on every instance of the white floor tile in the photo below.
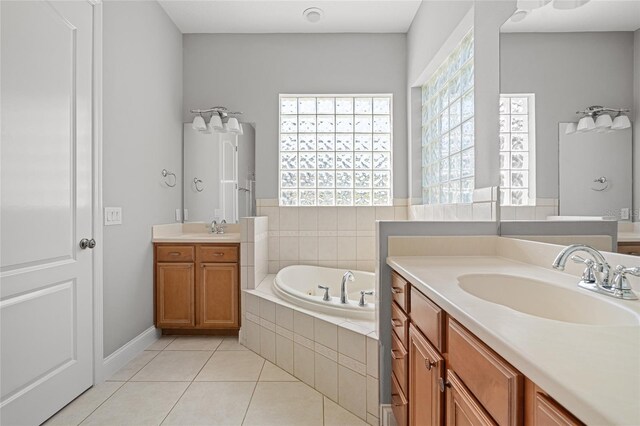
(234, 366)
(273, 373)
(212, 403)
(335, 415)
(161, 343)
(231, 343)
(135, 365)
(194, 343)
(280, 403)
(138, 404)
(173, 366)
(78, 410)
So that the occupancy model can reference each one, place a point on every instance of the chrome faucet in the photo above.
(348, 276)
(218, 228)
(617, 287)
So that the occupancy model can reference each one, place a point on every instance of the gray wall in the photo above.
(247, 72)
(142, 104)
(567, 72)
(636, 126)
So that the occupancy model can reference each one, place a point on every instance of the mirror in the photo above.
(219, 175)
(564, 61)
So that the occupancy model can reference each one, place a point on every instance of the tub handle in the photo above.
(362, 294)
(326, 296)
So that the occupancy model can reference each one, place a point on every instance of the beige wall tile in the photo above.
(268, 344)
(352, 391)
(308, 248)
(327, 248)
(289, 219)
(366, 248)
(351, 344)
(347, 248)
(304, 364)
(308, 219)
(372, 395)
(289, 248)
(326, 334)
(303, 324)
(328, 218)
(267, 310)
(372, 357)
(347, 219)
(365, 218)
(284, 317)
(284, 353)
(326, 376)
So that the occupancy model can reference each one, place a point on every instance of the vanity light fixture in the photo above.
(598, 118)
(569, 4)
(218, 122)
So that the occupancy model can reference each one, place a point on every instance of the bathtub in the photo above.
(298, 284)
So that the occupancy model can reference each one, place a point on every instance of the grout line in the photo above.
(176, 403)
(253, 393)
(99, 405)
(323, 418)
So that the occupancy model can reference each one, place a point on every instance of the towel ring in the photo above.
(196, 183)
(601, 180)
(166, 173)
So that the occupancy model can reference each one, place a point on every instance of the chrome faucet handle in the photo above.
(620, 284)
(326, 296)
(222, 226)
(588, 276)
(363, 293)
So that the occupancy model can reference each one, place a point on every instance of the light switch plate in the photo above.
(624, 214)
(178, 215)
(112, 216)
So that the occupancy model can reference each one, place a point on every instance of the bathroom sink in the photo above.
(208, 236)
(544, 300)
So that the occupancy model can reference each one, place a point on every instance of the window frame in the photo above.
(334, 188)
(531, 169)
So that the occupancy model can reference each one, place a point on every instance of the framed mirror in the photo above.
(219, 175)
(566, 61)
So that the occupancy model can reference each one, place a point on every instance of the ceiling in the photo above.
(266, 16)
(597, 15)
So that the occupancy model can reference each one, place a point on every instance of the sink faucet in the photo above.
(218, 228)
(618, 287)
(348, 276)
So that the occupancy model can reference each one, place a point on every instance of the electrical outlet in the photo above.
(112, 216)
(624, 213)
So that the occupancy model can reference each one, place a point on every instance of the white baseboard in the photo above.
(386, 415)
(129, 351)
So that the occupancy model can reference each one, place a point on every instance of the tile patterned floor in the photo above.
(202, 380)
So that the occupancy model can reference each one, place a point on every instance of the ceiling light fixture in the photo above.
(313, 14)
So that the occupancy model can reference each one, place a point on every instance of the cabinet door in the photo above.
(550, 413)
(426, 369)
(217, 295)
(462, 407)
(175, 295)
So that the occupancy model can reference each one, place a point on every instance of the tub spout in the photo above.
(348, 276)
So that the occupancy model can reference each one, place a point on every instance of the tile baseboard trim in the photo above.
(386, 415)
(129, 351)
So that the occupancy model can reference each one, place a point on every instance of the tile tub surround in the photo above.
(254, 251)
(335, 237)
(337, 357)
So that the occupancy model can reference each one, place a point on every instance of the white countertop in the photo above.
(593, 371)
(193, 233)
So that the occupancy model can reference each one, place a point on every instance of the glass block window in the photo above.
(448, 129)
(517, 141)
(335, 150)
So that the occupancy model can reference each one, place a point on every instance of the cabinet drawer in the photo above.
(218, 254)
(399, 402)
(400, 291)
(495, 383)
(428, 317)
(400, 362)
(175, 254)
(400, 324)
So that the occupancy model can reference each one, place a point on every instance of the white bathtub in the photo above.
(298, 284)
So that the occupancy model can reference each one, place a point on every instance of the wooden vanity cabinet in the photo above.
(197, 288)
(632, 248)
(453, 378)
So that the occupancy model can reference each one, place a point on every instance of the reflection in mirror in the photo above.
(219, 175)
(563, 61)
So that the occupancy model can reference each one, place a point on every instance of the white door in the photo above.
(46, 207)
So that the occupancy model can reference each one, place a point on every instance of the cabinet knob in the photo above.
(443, 384)
(396, 290)
(429, 364)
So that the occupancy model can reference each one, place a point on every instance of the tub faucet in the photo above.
(348, 276)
